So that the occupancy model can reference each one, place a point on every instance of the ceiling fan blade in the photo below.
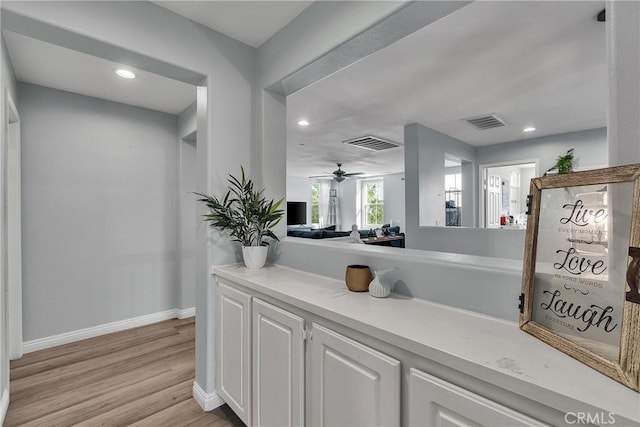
(321, 176)
(353, 173)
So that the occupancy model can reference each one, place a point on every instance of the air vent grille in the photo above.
(372, 143)
(486, 122)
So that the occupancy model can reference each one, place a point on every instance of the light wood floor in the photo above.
(140, 377)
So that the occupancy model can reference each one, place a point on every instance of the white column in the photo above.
(623, 55)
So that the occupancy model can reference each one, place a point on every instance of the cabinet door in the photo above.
(278, 367)
(434, 402)
(352, 384)
(233, 347)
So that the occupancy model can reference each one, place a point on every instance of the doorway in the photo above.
(504, 193)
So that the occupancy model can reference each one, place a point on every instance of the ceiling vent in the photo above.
(486, 122)
(372, 143)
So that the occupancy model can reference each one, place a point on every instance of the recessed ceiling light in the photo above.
(303, 123)
(125, 74)
(529, 129)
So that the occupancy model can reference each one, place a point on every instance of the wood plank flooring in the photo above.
(140, 377)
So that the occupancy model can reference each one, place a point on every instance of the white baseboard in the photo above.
(207, 401)
(4, 406)
(107, 328)
(187, 312)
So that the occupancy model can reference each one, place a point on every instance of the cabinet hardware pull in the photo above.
(307, 335)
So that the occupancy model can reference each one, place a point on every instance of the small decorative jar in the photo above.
(358, 278)
(383, 282)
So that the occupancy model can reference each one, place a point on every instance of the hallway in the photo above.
(141, 377)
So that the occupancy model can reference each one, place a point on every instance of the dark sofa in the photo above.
(329, 232)
(319, 233)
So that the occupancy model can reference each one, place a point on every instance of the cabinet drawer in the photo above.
(434, 402)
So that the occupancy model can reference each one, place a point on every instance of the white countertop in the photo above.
(490, 349)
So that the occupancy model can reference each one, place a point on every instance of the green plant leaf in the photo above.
(243, 213)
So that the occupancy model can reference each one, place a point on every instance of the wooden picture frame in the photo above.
(581, 268)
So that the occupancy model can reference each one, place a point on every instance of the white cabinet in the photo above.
(352, 384)
(233, 350)
(437, 403)
(269, 373)
(278, 366)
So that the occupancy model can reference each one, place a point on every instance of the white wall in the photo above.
(187, 223)
(99, 211)
(428, 174)
(319, 41)
(188, 219)
(8, 79)
(187, 216)
(623, 56)
(394, 199)
(349, 209)
(309, 35)
(590, 150)
(227, 111)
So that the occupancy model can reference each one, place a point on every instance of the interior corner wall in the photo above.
(187, 120)
(393, 186)
(433, 147)
(7, 76)
(471, 241)
(99, 211)
(623, 56)
(188, 219)
(348, 209)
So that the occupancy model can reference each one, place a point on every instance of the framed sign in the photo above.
(581, 261)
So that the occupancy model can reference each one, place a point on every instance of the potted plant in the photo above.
(247, 216)
(564, 164)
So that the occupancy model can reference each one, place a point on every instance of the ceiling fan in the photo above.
(339, 175)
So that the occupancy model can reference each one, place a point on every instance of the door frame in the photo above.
(12, 225)
(482, 189)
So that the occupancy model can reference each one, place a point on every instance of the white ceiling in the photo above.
(45, 64)
(251, 22)
(49, 65)
(539, 63)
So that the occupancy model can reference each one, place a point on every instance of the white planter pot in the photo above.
(255, 256)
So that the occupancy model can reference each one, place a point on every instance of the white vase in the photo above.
(255, 256)
(382, 284)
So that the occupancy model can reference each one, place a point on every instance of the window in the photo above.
(453, 189)
(315, 203)
(372, 203)
(453, 199)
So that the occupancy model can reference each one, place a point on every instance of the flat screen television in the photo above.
(296, 213)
